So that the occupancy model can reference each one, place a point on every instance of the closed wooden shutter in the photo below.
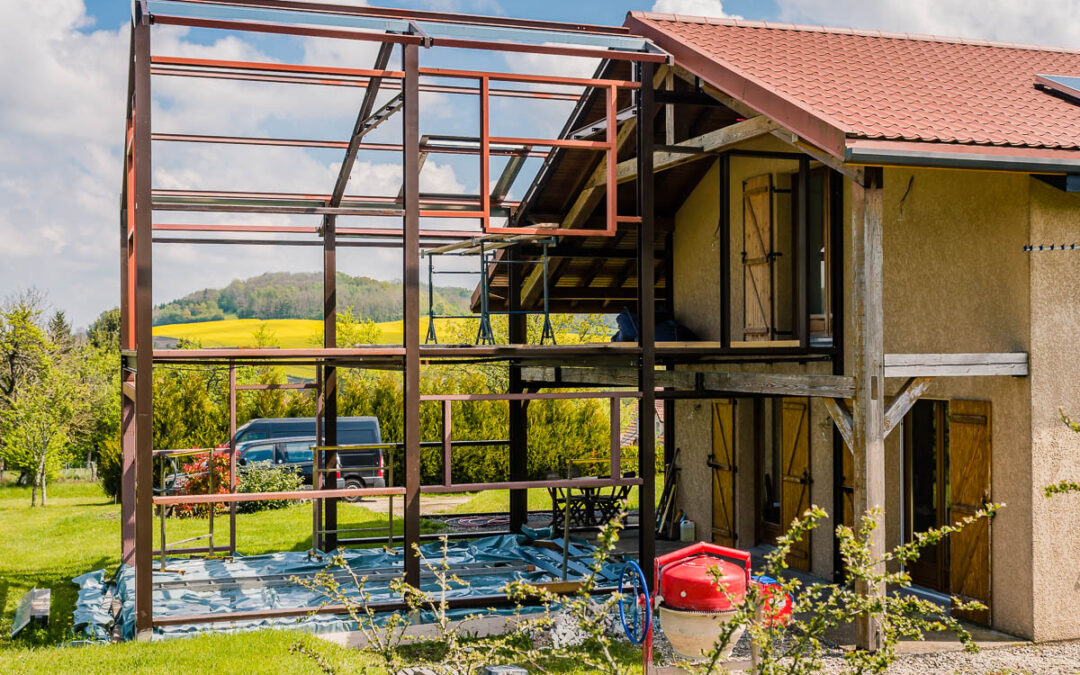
(757, 258)
(722, 463)
(969, 491)
(795, 460)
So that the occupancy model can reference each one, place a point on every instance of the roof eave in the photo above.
(942, 155)
(800, 120)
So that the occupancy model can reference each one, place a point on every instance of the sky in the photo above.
(62, 84)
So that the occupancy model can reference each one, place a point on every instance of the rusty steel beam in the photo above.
(142, 315)
(411, 291)
(424, 15)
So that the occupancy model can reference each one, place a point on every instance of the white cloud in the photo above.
(693, 8)
(61, 128)
(1044, 23)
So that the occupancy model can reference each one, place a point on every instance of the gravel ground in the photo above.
(1062, 658)
(1051, 659)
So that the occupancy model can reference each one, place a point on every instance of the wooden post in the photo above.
(868, 414)
(410, 89)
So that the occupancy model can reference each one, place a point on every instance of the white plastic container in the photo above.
(687, 531)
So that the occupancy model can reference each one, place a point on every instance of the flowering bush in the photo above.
(196, 481)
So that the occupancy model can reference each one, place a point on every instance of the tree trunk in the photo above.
(39, 479)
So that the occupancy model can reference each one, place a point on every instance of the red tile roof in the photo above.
(872, 85)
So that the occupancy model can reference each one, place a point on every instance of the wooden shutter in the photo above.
(722, 463)
(795, 460)
(969, 490)
(757, 258)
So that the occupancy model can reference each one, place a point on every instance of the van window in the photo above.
(259, 453)
(299, 451)
(356, 436)
(294, 428)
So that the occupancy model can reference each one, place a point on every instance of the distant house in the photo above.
(778, 148)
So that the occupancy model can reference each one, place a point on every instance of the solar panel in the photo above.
(1066, 85)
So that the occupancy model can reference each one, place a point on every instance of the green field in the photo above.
(79, 531)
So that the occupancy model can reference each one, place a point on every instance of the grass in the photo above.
(492, 501)
(79, 531)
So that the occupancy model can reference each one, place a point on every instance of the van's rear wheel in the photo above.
(352, 484)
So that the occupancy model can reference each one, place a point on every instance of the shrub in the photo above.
(265, 477)
(111, 466)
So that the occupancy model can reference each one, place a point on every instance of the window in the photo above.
(926, 494)
(259, 453)
(769, 249)
(298, 452)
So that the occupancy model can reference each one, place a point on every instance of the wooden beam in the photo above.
(841, 413)
(901, 404)
(868, 411)
(685, 380)
(711, 142)
(956, 365)
(788, 137)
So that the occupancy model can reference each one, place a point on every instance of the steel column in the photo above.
(519, 438)
(411, 284)
(142, 313)
(801, 272)
(647, 318)
(232, 457)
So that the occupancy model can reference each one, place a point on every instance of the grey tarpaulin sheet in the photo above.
(235, 585)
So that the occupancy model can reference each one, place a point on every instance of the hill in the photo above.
(286, 295)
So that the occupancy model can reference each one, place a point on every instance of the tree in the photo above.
(45, 412)
(59, 331)
(21, 340)
(104, 332)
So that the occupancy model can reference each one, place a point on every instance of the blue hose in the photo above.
(638, 588)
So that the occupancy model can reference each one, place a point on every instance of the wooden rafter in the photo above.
(788, 137)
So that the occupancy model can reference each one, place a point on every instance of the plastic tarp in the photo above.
(244, 583)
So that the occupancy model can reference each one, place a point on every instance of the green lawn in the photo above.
(539, 500)
(79, 531)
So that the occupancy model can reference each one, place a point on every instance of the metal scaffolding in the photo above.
(404, 34)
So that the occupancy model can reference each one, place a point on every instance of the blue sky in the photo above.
(62, 84)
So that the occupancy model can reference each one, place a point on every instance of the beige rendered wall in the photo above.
(1055, 385)
(956, 280)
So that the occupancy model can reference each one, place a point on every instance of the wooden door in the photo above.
(722, 463)
(969, 487)
(795, 460)
(757, 258)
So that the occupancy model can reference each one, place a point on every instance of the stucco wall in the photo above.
(956, 280)
(1055, 384)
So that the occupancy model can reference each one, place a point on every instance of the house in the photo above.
(844, 219)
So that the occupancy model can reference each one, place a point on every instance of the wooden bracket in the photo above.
(840, 411)
(901, 404)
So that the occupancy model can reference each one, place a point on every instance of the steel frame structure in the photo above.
(409, 32)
